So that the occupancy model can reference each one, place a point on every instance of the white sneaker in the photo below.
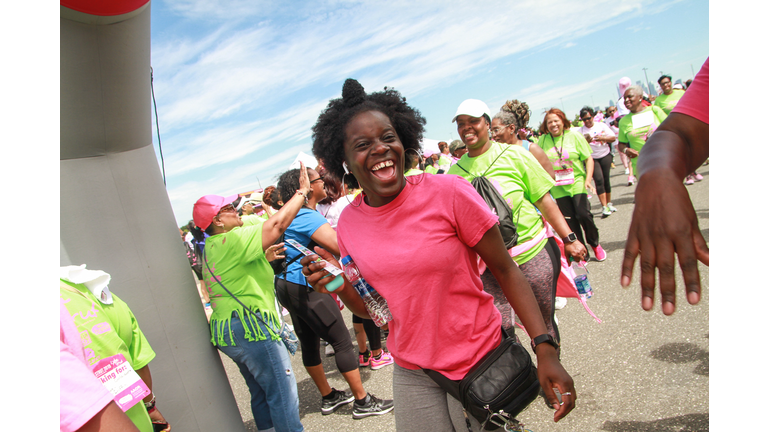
(329, 350)
(606, 212)
(560, 302)
(626, 171)
(611, 207)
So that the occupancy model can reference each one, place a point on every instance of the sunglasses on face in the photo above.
(229, 208)
(586, 118)
(317, 179)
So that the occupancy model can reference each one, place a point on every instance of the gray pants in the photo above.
(421, 405)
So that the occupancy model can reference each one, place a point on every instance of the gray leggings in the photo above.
(421, 405)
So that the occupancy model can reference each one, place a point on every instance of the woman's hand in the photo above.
(631, 153)
(317, 276)
(156, 416)
(575, 250)
(303, 179)
(590, 187)
(588, 137)
(275, 251)
(553, 375)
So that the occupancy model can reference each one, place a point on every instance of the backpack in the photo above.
(280, 266)
(497, 204)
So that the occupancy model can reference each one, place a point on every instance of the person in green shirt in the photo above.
(669, 96)
(571, 158)
(444, 161)
(235, 263)
(638, 125)
(108, 328)
(525, 185)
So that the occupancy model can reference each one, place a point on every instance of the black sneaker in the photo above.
(372, 406)
(339, 398)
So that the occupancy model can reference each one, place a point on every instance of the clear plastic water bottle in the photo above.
(374, 302)
(581, 280)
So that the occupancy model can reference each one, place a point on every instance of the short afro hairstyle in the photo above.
(328, 133)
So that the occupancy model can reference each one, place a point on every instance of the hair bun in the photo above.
(352, 93)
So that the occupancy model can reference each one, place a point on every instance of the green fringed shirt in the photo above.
(236, 258)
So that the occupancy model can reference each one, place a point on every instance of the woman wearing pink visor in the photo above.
(236, 262)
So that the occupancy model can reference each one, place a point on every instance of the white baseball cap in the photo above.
(473, 108)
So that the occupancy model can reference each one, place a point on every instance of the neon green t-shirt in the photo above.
(430, 169)
(667, 102)
(237, 259)
(635, 128)
(107, 330)
(574, 149)
(252, 219)
(412, 172)
(522, 181)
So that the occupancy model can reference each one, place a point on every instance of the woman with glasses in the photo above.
(513, 117)
(245, 322)
(571, 157)
(316, 315)
(525, 185)
(599, 136)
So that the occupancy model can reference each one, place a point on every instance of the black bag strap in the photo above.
(489, 166)
(258, 316)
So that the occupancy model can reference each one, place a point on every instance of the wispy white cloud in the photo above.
(252, 79)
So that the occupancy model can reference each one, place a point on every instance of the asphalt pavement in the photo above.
(635, 371)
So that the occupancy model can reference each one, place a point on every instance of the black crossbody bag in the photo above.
(496, 388)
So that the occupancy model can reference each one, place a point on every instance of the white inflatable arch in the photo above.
(115, 213)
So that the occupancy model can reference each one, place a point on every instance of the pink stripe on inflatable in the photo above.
(104, 8)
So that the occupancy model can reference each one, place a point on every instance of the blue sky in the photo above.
(239, 84)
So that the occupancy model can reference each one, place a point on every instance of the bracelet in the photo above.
(299, 192)
(150, 406)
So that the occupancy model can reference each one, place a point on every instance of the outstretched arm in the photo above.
(664, 222)
(280, 221)
(519, 294)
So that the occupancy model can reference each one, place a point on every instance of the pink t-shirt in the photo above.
(82, 394)
(417, 252)
(695, 101)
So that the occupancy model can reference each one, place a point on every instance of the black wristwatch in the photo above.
(545, 338)
(570, 238)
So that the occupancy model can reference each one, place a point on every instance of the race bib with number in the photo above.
(564, 177)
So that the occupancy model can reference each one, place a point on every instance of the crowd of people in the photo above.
(365, 197)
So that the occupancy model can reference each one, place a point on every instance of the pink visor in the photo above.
(207, 207)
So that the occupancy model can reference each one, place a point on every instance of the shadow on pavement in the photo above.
(682, 352)
(684, 423)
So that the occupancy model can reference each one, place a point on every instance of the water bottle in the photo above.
(374, 302)
(581, 280)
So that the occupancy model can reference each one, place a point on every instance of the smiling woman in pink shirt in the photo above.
(442, 319)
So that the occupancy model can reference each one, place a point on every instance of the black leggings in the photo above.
(602, 174)
(577, 213)
(316, 316)
(372, 332)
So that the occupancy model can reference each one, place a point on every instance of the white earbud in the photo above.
(346, 169)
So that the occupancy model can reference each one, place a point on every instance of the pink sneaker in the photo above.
(599, 253)
(631, 180)
(697, 176)
(688, 180)
(383, 360)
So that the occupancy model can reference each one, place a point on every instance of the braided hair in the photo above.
(515, 113)
(329, 133)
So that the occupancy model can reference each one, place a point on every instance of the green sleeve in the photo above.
(139, 349)
(623, 129)
(660, 114)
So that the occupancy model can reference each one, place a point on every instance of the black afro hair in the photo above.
(329, 132)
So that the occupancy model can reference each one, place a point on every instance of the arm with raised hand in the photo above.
(664, 222)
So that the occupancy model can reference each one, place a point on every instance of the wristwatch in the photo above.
(545, 338)
(570, 238)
